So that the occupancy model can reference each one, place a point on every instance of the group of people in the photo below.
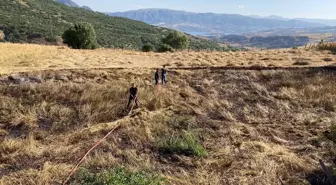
(163, 75)
(134, 90)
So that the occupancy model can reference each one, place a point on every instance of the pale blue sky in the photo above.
(286, 8)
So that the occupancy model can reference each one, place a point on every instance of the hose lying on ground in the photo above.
(87, 153)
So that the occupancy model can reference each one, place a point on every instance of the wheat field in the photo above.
(251, 127)
(27, 57)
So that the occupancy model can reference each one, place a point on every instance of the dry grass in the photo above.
(25, 57)
(256, 127)
(2, 35)
(327, 46)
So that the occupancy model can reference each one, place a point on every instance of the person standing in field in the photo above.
(133, 96)
(163, 75)
(157, 77)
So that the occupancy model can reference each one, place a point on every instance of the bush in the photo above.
(176, 40)
(53, 39)
(301, 62)
(15, 34)
(186, 144)
(165, 48)
(327, 59)
(80, 36)
(147, 48)
(119, 176)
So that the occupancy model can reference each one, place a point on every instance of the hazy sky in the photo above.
(285, 8)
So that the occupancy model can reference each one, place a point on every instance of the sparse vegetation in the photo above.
(119, 176)
(186, 144)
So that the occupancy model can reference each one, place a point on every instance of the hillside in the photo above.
(27, 21)
(206, 126)
(210, 23)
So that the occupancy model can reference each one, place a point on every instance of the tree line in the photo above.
(83, 36)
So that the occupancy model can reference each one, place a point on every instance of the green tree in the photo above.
(81, 36)
(15, 34)
(165, 48)
(147, 48)
(176, 40)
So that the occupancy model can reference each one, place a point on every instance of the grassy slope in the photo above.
(257, 127)
(49, 18)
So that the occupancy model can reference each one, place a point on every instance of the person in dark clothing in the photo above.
(163, 75)
(157, 77)
(133, 96)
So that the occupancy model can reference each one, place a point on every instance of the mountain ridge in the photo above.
(73, 4)
(209, 23)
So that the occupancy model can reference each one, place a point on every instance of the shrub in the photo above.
(327, 59)
(165, 48)
(186, 144)
(53, 39)
(147, 48)
(176, 40)
(119, 176)
(80, 36)
(15, 34)
(301, 62)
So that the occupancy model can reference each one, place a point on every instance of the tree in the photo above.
(81, 36)
(147, 47)
(165, 48)
(15, 34)
(176, 40)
